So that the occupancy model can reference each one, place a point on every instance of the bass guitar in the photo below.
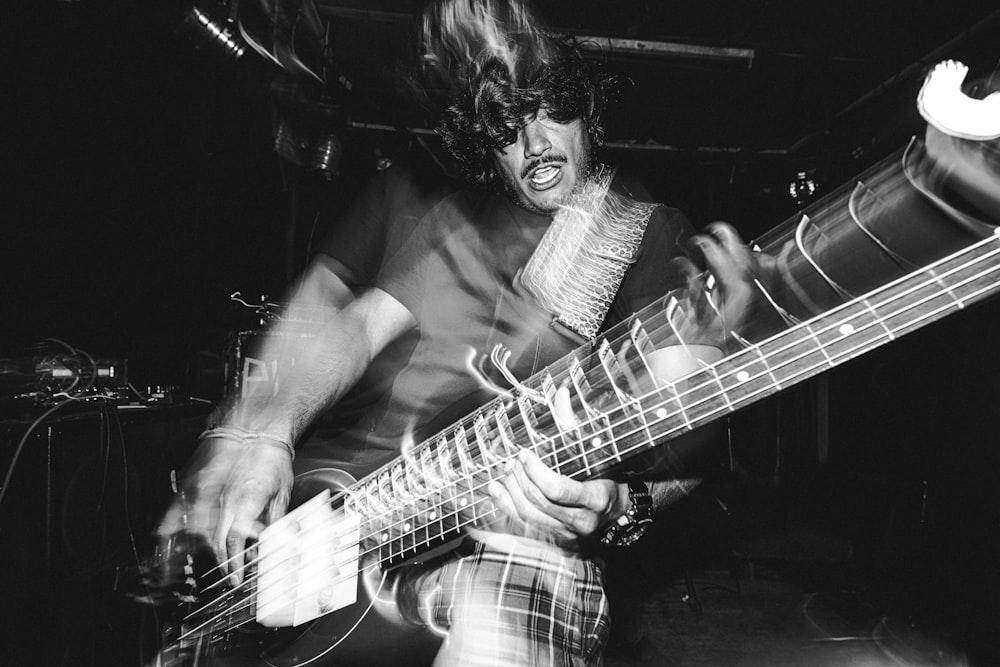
(910, 241)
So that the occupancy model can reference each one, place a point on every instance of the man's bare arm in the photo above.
(233, 480)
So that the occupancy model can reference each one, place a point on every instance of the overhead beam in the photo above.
(666, 49)
(603, 44)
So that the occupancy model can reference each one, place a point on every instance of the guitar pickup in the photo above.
(307, 564)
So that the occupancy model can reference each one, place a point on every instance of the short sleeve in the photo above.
(380, 219)
(404, 274)
(357, 235)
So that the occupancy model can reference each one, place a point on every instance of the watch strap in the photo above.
(631, 525)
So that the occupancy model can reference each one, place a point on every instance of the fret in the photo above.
(581, 386)
(399, 527)
(427, 469)
(609, 362)
(531, 426)
(786, 352)
(643, 346)
(384, 525)
(446, 512)
(419, 498)
(881, 322)
(486, 454)
(563, 461)
(549, 395)
(449, 505)
(430, 494)
(434, 497)
(697, 397)
(365, 500)
(461, 440)
(416, 483)
(668, 394)
(633, 421)
(762, 360)
(819, 345)
(919, 303)
(596, 433)
(795, 353)
(490, 459)
(507, 439)
(852, 329)
(946, 289)
(578, 377)
(466, 499)
(713, 371)
(669, 402)
(444, 461)
(397, 481)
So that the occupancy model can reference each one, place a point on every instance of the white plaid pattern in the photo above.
(523, 604)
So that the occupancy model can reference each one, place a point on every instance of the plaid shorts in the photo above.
(514, 602)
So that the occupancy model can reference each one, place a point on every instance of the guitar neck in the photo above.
(426, 497)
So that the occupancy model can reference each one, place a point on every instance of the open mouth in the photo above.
(545, 177)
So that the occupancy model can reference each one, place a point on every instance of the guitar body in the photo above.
(368, 632)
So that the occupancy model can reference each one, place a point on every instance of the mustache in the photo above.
(543, 160)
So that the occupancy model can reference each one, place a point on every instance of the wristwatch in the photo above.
(630, 526)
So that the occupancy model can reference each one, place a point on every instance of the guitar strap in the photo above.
(579, 264)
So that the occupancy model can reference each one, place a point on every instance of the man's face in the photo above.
(546, 162)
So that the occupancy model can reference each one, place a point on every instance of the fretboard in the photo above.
(438, 487)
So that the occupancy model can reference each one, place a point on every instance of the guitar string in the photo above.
(456, 513)
(723, 409)
(576, 444)
(454, 459)
(580, 443)
(573, 444)
(846, 354)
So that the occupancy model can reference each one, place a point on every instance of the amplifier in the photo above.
(87, 488)
(55, 372)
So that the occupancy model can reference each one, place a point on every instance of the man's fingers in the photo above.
(237, 518)
(727, 256)
(278, 506)
(502, 501)
(563, 413)
(554, 487)
(578, 507)
(517, 505)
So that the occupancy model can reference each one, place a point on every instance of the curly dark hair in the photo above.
(496, 102)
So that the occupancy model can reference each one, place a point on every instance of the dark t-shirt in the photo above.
(362, 238)
(381, 218)
(457, 276)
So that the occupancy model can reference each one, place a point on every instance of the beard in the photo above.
(584, 165)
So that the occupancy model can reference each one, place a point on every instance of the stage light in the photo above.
(210, 23)
(803, 187)
(327, 152)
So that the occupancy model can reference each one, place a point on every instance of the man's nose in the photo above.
(536, 139)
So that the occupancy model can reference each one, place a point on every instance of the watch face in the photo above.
(632, 532)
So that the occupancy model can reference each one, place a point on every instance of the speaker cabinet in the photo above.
(88, 484)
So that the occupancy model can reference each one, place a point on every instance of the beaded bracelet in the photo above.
(243, 434)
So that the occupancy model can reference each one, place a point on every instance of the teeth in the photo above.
(543, 175)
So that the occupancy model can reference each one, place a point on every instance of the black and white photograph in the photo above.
(473, 333)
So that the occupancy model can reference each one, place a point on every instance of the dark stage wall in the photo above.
(142, 189)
